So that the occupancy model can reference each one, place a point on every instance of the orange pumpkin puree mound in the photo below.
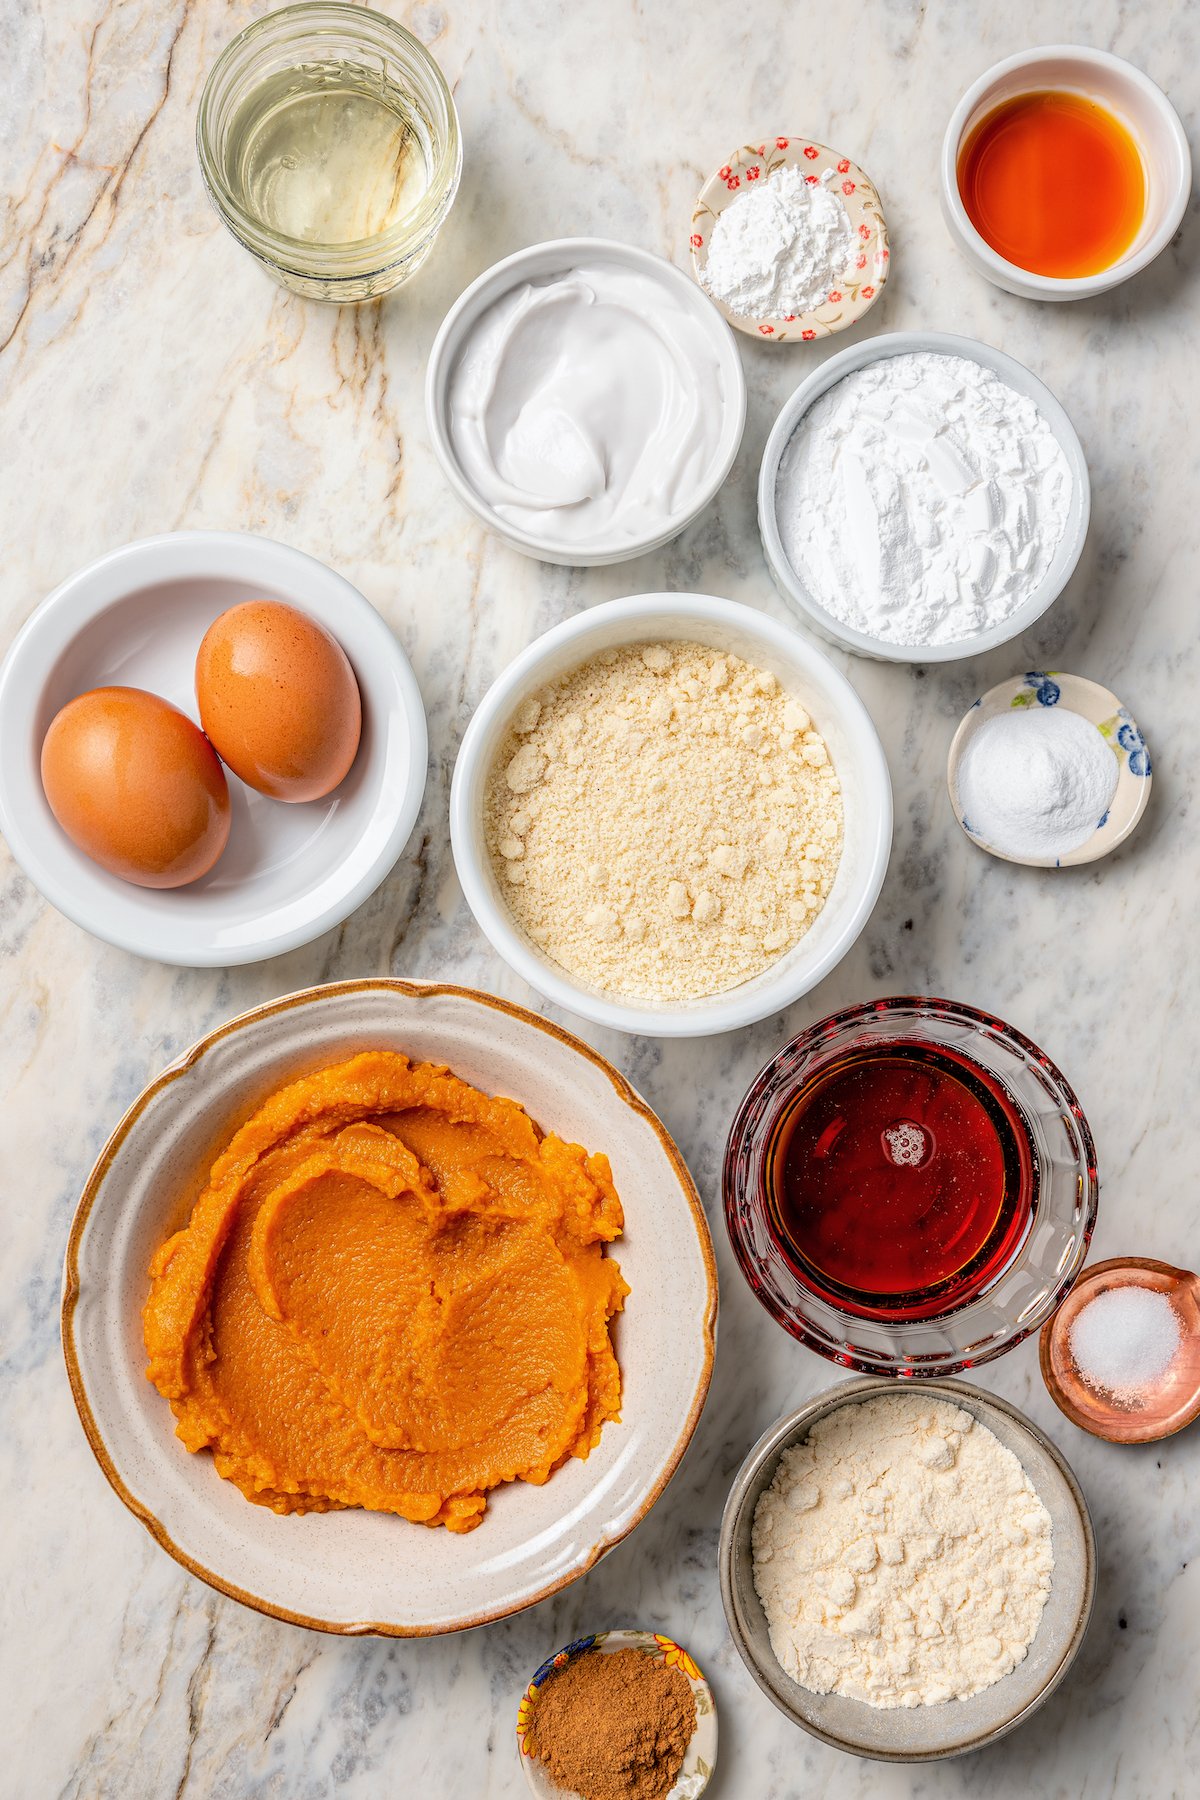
(392, 1293)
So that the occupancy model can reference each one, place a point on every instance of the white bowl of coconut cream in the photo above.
(585, 400)
(922, 497)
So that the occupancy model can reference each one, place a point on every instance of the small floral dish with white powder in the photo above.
(1048, 770)
(907, 1569)
(789, 240)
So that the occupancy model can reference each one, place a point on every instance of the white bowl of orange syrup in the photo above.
(1064, 171)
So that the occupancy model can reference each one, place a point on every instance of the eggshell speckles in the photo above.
(279, 700)
(136, 786)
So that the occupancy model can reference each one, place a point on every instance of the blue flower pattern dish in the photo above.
(1038, 687)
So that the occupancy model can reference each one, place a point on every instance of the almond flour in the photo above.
(664, 821)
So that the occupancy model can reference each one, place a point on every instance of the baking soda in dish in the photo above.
(1125, 1339)
(779, 248)
(1036, 781)
(922, 499)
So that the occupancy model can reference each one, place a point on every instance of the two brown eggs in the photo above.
(141, 790)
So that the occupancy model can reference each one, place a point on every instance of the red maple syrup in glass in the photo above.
(901, 1179)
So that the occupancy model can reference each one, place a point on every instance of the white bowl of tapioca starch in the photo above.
(922, 497)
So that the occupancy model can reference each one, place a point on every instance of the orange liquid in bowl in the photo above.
(1054, 182)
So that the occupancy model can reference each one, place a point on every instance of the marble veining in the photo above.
(152, 378)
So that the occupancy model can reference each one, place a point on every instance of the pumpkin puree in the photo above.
(392, 1293)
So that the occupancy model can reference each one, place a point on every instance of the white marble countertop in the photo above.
(152, 378)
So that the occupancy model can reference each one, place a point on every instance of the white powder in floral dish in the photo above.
(780, 247)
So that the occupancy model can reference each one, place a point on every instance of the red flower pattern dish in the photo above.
(865, 275)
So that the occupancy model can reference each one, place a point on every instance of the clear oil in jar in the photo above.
(328, 153)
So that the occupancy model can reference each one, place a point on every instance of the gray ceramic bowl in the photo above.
(923, 1733)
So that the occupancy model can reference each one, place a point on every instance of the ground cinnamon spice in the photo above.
(613, 1727)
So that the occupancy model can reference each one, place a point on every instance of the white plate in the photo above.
(356, 1571)
(136, 618)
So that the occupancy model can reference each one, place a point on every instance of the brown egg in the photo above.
(136, 786)
(279, 700)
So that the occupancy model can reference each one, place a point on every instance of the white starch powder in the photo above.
(780, 247)
(922, 499)
(1036, 781)
(902, 1555)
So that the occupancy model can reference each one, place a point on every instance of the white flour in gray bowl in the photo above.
(901, 1554)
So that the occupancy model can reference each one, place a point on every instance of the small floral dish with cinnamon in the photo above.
(789, 241)
(619, 1715)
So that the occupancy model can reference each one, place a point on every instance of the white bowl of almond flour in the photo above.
(671, 815)
(908, 1569)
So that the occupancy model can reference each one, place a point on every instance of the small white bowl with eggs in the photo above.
(136, 618)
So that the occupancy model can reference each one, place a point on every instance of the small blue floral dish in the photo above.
(1115, 724)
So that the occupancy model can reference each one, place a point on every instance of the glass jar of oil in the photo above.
(329, 144)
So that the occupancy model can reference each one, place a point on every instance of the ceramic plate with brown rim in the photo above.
(855, 291)
(1142, 1416)
(354, 1571)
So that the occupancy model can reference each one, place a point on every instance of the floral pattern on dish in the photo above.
(862, 285)
(1039, 687)
(1115, 723)
(701, 1757)
(1126, 740)
(1121, 731)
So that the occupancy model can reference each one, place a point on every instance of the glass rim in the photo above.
(356, 257)
(844, 1350)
